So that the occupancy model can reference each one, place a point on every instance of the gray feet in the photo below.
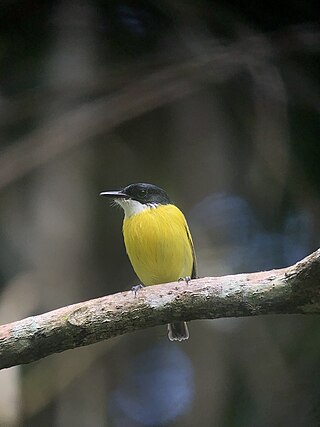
(186, 279)
(136, 289)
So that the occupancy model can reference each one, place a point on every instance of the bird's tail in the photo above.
(178, 331)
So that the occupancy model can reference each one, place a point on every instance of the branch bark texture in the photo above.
(295, 289)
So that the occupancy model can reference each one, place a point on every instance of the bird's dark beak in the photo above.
(114, 194)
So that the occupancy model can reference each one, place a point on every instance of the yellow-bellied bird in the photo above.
(157, 240)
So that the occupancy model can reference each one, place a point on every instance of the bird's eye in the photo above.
(142, 192)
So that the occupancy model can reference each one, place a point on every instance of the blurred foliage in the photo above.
(218, 103)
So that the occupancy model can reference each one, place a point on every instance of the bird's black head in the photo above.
(146, 193)
(141, 192)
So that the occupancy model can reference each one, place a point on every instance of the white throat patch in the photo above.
(133, 207)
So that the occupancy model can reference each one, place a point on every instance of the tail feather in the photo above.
(178, 331)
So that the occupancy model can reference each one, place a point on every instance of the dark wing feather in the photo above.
(194, 274)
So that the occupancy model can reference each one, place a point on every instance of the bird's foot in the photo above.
(185, 279)
(136, 289)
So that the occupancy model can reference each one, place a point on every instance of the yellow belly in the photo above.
(158, 244)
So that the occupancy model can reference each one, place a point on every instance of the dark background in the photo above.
(218, 103)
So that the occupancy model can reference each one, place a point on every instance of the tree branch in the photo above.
(290, 290)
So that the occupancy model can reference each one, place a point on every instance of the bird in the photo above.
(157, 239)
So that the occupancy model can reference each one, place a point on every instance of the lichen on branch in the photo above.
(295, 289)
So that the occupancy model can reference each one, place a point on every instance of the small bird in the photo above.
(157, 240)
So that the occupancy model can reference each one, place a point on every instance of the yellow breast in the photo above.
(159, 244)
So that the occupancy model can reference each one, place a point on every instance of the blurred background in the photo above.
(218, 103)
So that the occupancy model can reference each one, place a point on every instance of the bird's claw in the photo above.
(185, 279)
(136, 289)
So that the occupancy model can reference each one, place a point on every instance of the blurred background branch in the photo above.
(73, 127)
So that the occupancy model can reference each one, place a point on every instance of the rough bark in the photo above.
(295, 289)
